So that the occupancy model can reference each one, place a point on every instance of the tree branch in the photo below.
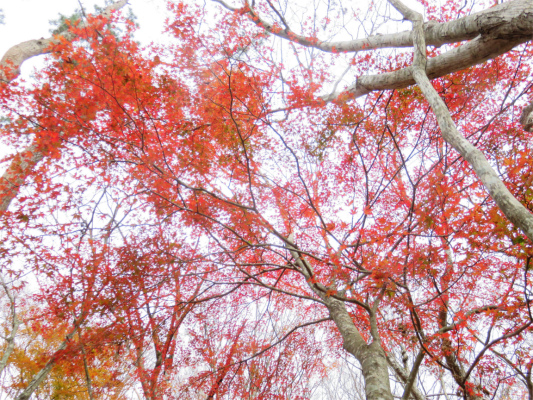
(512, 208)
(43, 373)
(14, 57)
(10, 64)
(472, 53)
(511, 18)
(403, 375)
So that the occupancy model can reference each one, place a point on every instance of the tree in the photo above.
(221, 193)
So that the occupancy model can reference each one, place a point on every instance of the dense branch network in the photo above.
(10, 64)
(341, 214)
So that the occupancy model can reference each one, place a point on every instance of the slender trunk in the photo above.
(508, 204)
(15, 323)
(511, 207)
(403, 375)
(529, 383)
(86, 369)
(43, 373)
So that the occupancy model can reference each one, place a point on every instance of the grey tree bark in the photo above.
(15, 324)
(512, 208)
(20, 168)
(371, 357)
(488, 33)
(10, 64)
(493, 32)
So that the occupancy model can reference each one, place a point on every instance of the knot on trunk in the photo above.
(526, 119)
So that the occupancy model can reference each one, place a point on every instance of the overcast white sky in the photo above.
(29, 19)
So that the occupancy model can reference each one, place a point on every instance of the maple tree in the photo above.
(220, 217)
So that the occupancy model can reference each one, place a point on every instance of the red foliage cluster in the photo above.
(188, 216)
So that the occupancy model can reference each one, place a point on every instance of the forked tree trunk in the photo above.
(371, 356)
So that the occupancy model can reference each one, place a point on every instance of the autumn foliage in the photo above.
(201, 221)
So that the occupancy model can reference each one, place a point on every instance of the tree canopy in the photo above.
(284, 195)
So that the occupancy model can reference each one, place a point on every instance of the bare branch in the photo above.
(472, 53)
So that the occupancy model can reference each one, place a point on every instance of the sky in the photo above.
(29, 19)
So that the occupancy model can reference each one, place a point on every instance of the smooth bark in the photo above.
(513, 18)
(515, 211)
(13, 59)
(512, 208)
(475, 52)
(23, 163)
(15, 323)
(371, 356)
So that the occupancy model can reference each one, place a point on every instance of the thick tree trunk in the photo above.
(371, 356)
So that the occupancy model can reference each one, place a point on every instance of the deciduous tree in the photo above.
(232, 211)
